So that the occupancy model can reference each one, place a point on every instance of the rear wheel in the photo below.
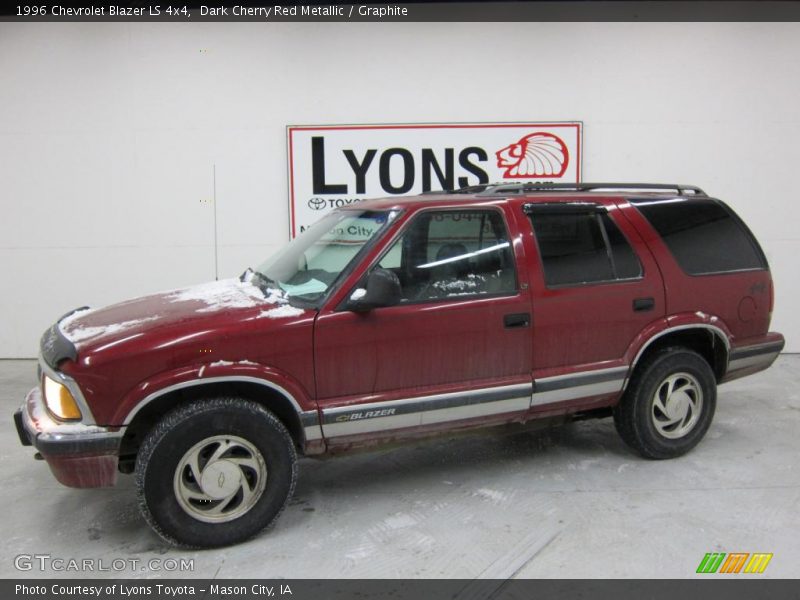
(669, 404)
(215, 472)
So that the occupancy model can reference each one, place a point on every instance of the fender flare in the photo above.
(251, 373)
(716, 330)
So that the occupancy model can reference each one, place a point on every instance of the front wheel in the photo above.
(669, 404)
(215, 472)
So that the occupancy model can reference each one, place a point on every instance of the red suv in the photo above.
(403, 317)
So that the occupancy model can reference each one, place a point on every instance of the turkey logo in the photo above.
(535, 155)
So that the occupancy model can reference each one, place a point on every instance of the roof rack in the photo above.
(490, 189)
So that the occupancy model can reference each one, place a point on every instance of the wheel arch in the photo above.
(710, 341)
(303, 426)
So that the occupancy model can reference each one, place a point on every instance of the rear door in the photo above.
(457, 348)
(596, 287)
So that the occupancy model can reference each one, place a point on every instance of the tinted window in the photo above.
(578, 248)
(453, 253)
(703, 236)
(626, 264)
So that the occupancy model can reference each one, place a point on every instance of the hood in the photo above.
(218, 301)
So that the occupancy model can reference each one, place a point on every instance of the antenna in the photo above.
(214, 200)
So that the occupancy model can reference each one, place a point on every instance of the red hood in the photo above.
(147, 343)
(218, 302)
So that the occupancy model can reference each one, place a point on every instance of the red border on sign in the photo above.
(578, 125)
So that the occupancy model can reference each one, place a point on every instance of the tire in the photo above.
(215, 472)
(669, 404)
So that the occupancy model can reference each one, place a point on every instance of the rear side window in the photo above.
(582, 247)
(703, 236)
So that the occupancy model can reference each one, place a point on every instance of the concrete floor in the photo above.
(570, 504)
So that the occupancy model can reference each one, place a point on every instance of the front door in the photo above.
(456, 348)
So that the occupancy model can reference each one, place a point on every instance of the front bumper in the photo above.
(79, 455)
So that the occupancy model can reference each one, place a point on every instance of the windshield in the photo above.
(307, 267)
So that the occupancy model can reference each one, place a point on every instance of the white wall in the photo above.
(108, 133)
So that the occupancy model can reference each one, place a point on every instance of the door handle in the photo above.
(516, 320)
(644, 304)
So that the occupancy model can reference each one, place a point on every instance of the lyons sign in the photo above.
(336, 165)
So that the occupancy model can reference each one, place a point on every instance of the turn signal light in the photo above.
(59, 401)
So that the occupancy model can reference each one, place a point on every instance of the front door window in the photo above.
(448, 254)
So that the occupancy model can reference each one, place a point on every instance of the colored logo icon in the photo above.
(536, 155)
(734, 562)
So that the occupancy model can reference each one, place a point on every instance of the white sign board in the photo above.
(337, 165)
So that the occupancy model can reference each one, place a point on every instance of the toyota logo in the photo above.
(316, 203)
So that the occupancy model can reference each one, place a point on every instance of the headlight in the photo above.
(59, 400)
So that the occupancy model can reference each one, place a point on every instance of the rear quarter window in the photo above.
(703, 235)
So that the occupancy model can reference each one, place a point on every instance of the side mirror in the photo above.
(382, 289)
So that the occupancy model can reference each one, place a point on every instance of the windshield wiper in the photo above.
(259, 279)
(269, 287)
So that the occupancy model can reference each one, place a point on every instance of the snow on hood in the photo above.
(218, 295)
(284, 310)
(79, 334)
(133, 316)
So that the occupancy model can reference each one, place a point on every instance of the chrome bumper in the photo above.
(79, 455)
(746, 360)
